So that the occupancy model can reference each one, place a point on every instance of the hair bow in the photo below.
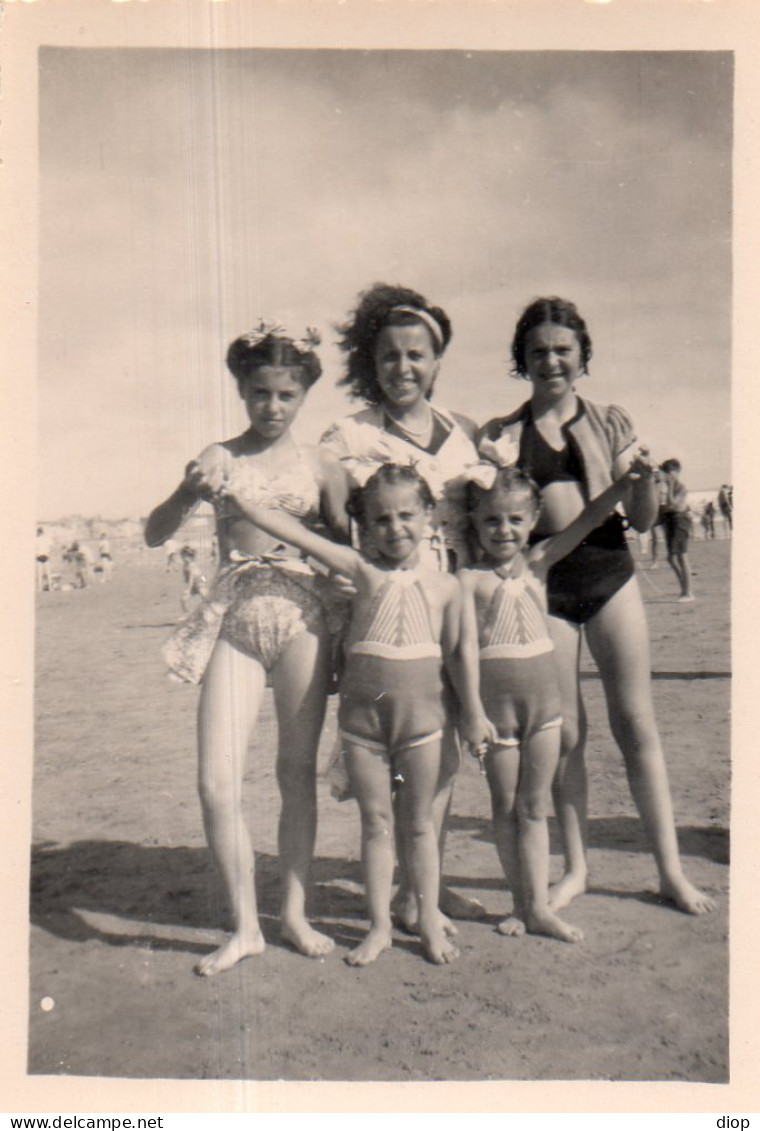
(265, 329)
(482, 474)
(503, 452)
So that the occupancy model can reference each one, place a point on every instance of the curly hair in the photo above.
(558, 310)
(388, 475)
(275, 350)
(375, 311)
(508, 480)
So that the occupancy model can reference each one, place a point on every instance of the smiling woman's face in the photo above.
(406, 365)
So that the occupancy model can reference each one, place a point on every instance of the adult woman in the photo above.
(394, 343)
(573, 448)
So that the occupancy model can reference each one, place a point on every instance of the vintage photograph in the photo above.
(383, 556)
(378, 691)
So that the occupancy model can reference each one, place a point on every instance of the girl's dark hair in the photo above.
(374, 311)
(243, 358)
(391, 475)
(508, 479)
(557, 310)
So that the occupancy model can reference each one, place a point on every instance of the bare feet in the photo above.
(238, 946)
(686, 897)
(511, 926)
(377, 940)
(547, 923)
(439, 947)
(563, 893)
(404, 909)
(305, 939)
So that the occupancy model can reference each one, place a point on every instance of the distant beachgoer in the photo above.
(81, 559)
(104, 557)
(195, 582)
(42, 550)
(708, 519)
(726, 504)
(678, 528)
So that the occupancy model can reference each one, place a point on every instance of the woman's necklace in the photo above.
(415, 433)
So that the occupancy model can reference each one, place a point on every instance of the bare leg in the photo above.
(420, 768)
(229, 703)
(538, 764)
(299, 680)
(451, 903)
(619, 641)
(570, 785)
(503, 771)
(369, 773)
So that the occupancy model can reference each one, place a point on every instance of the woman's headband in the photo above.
(433, 326)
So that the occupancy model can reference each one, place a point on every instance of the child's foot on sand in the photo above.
(563, 893)
(511, 926)
(404, 909)
(686, 897)
(378, 940)
(240, 945)
(439, 948)
(547, 923)
(305, 939)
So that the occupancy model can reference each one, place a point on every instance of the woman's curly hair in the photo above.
(374, 311)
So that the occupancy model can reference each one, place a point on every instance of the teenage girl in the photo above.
(404, 628)
(573, 449)
(507, 646)
(266, 619)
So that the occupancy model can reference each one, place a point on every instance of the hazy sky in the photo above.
(185, 193)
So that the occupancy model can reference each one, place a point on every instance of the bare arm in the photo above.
(203, 477)
(640, 496)
(544, 555)
(463, 666)
(288, 529)
(334, 489)
(168, 516)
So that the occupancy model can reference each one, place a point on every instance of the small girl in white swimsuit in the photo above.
(267, 619)
(508, 655)
(404, 629)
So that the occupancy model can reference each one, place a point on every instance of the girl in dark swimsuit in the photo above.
(573, 449)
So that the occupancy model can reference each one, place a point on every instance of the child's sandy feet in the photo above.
(512, 926)
(563, 893)
(686, 897)
(547, 923)
(404, 910)
(305, 939)
(439, 947)
(370, 948)
(240, 945)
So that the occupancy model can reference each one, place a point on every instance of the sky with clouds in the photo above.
(183, 194)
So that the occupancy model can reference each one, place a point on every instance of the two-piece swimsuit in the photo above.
(582, 583)
(519, 684)
(391, 692)
(258, 602)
